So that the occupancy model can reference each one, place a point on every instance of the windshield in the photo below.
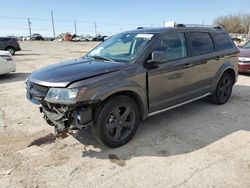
(247, 45)
(123, 47)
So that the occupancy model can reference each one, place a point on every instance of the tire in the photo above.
(11, 50)
(116, 121)
(223, 90)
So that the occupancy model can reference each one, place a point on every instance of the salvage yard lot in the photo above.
(197, 145)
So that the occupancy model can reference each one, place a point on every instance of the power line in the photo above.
(101, 26)
(22, 18)
(80, 21)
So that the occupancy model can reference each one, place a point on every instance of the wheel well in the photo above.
(232, 73)
(129, 94)
(10, 47)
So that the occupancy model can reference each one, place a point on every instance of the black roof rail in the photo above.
(197, 25)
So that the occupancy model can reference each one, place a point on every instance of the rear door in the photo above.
(204, 59)
(2, 43)
(171, 82)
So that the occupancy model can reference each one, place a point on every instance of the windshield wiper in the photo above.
(101, 58)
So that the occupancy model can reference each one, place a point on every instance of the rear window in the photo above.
(222, 41)
(201, 43)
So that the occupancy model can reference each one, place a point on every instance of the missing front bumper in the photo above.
(64, 117)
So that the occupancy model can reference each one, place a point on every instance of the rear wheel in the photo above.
(11, 50)
(223, 90)
(117, 121)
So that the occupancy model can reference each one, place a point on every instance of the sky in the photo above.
(111, 16)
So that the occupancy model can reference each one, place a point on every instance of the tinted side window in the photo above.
(222, 41)
(173, 45)
(201, 43)
(4, 39)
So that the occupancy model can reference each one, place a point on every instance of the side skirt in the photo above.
(177, 105)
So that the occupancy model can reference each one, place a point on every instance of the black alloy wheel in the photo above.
(120, 122)
(11, 50)
(117, 121)
(223, 91)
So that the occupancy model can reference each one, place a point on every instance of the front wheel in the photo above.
(223, 90)
(11, 50)
(117, 121)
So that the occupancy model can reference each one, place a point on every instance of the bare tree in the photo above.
(246, 23)
(238, 23)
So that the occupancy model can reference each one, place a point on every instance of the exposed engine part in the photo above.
(64, 117)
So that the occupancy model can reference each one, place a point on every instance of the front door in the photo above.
(171, 82)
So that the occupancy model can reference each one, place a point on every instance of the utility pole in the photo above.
(95, 29)
(29, 23)
(249, 32)
(53, 25)
(75, 28)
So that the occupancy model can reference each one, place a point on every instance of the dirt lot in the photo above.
(197, 145)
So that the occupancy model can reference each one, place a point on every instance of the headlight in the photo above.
(244, 58)
(7, 57)
(61, 95)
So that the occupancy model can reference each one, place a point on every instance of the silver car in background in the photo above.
(7, 63)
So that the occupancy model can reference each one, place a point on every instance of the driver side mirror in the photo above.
(157, 57)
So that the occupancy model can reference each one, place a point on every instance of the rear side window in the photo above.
(201, 43)
(222, 41)
(4, 39)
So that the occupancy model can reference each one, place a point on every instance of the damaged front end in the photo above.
(59, 107)
(67, 116)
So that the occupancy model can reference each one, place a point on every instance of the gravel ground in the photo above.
(197, 145)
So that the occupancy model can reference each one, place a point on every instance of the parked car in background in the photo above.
(49, 38)
(88, 38)
(78, 38)
(134, 75)
(244, 58)
(237, 41)
(9, 44)
(7, 63)
(20, 38)
(36, 36)
(99, 38)
(102, 38)
(24, 38)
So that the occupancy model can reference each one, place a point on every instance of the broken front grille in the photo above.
(36, 93)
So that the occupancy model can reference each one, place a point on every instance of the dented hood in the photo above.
(62, 74)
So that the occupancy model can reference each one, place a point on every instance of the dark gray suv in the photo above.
(134, 75)
(9, 44)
